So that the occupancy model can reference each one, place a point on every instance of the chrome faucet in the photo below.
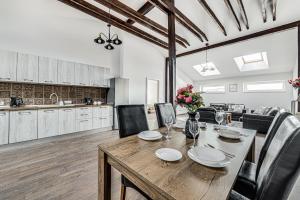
(55, 95)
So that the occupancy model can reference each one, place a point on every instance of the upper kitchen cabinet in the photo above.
(107, 77)
(82, 74)
(8, 66)
(66, 72)
(47, 70)
(27, 68)
(97, 76)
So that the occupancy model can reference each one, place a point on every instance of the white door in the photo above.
(47, 70)
(23, 126)
(47, 123)
(82, 74)
(4, 123)
(27, 68)
(67, 121)
(66, 72)
(8, 66)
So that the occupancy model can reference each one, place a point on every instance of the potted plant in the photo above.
(192, 101)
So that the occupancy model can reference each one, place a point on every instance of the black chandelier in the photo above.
(114, 39)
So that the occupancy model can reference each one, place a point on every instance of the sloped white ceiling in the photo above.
(281, 50)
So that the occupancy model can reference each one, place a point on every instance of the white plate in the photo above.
(229, 133)
(220, 164)
(168, 154)
(207, 154)
(150, 135)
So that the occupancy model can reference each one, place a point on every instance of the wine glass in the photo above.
(197, 117)
(193, 128)
(219, 117)
(168, 124)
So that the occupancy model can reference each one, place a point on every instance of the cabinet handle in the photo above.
(49, 111)
(66, 82)
(84, 114)
(2, 114)
(24, 113)
(5, 78)
(25, 79)
(82, 84)
(48, 81)
(84, 108)
(84, 120)
(67, 110)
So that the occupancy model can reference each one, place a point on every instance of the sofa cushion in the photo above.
(266, 110)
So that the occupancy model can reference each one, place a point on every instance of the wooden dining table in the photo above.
(184, 179)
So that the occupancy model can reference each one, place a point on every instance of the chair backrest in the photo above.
(281, 165)
(132, 119)
(207, 114)
(164, 110)
(278, 119)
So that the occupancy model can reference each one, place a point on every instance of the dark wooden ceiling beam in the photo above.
(229, 5)
(242, 7)
(126, 11)
(166, 7)
(104, 16)
(212, 14)
(146, 8)
(243, 38)
(274, 9)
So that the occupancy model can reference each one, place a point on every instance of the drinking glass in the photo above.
(219, 117)
(197, 117)
(193, 128)
(168, 124)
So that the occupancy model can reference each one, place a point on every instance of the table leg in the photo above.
(104, 177)
(251, 155)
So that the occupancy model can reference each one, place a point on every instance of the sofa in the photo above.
(260, 120)
(207, 114)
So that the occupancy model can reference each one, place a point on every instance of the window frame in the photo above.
(245, 89)
(213, 92)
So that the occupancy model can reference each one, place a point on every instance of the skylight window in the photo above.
(207, 69)
(252, 62)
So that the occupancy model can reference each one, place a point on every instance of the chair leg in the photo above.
(123, 192)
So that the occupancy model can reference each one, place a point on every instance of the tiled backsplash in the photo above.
(39, 94)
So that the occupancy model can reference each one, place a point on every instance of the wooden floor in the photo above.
(63, 167)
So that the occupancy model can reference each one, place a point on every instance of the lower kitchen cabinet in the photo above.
(48, 123)
(84, 124)
(4, 124)
(23, 126)
(67, 121)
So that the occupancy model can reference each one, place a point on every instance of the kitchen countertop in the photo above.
(39, 107)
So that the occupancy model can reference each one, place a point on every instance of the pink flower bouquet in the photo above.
(187, 98)
(295, 83)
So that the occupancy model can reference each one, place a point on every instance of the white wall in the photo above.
(251, 100)
(141, 60)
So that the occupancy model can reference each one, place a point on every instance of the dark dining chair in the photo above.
(164, 110)
(280, 167)
(249, 171)
(207, 114)
(132, 120)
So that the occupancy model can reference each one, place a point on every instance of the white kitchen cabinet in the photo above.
(96, 76)
(82, 74)
(66, 72)
(84, 113)
(97, 112)
(97, 123)
(67, 121)
(4, 124)
(48, 123)
(107, 77)
(84, 124)
(47, 70)
(23, 126)
(8, 66)
(27, 68)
